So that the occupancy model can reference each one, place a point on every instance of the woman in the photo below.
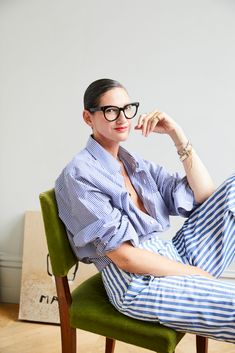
(114, 205)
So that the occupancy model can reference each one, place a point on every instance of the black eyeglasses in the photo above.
(111, 112)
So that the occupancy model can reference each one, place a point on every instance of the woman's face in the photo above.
(107, 133)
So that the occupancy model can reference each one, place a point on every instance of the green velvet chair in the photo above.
(88, 307)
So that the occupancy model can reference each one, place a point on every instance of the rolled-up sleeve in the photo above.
(92, 219)
(175, 191)
(183, 197)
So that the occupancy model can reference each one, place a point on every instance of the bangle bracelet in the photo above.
(185, 152)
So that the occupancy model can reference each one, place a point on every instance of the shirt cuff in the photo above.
(184, 199)
(109, 242)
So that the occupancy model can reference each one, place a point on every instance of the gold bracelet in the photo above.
(185, 152)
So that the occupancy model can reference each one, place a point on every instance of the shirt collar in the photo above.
(104, 157)
(107, 160)
(128, 159)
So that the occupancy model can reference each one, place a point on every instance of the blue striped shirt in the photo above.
(97, 210)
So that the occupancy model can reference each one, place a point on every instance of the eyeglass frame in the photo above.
(103, 108)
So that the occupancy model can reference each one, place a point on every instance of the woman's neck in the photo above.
(109, 146)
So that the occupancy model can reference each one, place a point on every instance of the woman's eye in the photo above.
(111, 110)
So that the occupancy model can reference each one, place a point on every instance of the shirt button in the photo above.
(152, 221)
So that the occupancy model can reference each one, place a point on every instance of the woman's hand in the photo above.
(158, 122)
(197, 175)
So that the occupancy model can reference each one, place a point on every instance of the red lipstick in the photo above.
(121, 128)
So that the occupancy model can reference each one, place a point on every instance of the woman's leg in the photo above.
(193, 304)
(207, 238)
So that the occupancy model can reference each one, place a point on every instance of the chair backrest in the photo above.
(61, 255)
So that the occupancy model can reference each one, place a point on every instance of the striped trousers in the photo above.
(191, 303)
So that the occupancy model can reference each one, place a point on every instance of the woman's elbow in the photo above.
(122, 256)
(203, 196)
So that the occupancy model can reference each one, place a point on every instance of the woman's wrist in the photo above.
(182, 144)
(179, 138)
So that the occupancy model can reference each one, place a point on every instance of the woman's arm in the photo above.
(141, 261)
(197, 174)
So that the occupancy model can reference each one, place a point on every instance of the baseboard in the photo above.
(229, 275)
(10, 278)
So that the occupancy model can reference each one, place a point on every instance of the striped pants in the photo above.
(191, 303)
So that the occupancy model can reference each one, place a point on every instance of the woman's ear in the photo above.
(87, 117)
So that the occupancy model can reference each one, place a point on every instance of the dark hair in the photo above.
(96, 89)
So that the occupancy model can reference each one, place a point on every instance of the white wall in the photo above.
(175, 55)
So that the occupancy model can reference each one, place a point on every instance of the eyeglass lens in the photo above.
(112, 113)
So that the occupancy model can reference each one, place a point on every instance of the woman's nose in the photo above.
(121, 117)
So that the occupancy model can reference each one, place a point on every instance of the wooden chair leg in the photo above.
(109, 345)
(68, 333)
(202, 344)
(68, 340)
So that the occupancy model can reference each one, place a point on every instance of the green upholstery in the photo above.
(90, 309)
(61, 255)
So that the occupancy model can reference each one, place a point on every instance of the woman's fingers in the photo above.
(140, 120)
(158, 122)
(148, 122)
(153, 123)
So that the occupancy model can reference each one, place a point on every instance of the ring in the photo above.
(156, 118)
